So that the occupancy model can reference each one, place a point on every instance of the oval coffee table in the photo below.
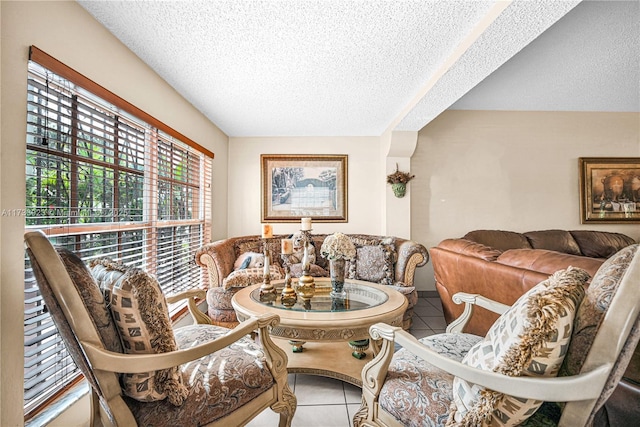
(319, 330)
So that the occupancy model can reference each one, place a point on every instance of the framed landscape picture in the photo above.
(296, 186)
(610, 189)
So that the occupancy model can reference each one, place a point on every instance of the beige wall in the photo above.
(366, 181)
(67, 32)
(510, 171)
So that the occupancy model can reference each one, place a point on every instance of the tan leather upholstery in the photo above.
(502, 265)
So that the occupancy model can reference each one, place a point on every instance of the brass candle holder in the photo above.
(306, 285)
(266, 288)
(288, 296)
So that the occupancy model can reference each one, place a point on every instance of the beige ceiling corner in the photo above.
(505, 30)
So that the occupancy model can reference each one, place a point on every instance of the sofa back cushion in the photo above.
(553, 240)
(469, 248)
(256, 244)
(251, 276)
(498, 239)
(317, 240)
(599, 244)
(547, 261)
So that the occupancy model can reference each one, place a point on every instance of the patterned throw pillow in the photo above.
(140, 312)
(374, 262)
(530, 339)
(250, 276)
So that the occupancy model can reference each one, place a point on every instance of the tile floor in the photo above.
(326, 402)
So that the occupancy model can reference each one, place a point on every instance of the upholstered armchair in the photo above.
(553, 358)
(115, 323)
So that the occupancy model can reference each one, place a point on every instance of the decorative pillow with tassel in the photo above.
(530, 339)
(140, 312)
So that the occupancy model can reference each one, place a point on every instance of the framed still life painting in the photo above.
(610, 189)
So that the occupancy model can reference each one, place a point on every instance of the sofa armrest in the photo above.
(192, 296)
(217, 259)
(469, 301)
(470, 248)
(410, 256)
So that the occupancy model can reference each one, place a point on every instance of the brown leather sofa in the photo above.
(502, 265)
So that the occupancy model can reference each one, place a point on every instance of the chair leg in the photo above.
(286, 407)
(94, 419)
(373, 376)
(277, 362)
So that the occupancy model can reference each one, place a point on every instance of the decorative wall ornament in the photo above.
(398, 181)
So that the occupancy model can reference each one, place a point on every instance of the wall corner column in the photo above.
(397, 215)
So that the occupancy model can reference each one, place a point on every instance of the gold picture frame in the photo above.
(296, 186)
(610, 189)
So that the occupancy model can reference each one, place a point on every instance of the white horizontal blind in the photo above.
(103, 183)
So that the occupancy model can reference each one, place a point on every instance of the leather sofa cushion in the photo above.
(597, 244)
(498, 239)
(467, 247)
(553, 240)
(546, 261)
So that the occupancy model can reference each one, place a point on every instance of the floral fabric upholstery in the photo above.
(257, 245)
(417, 393)
(93, 299)
(219, 306)
(397, 258)
(375, 260)
(251, 276)
(314, 270)
(412, 299)
(217, 384)
(594, 306)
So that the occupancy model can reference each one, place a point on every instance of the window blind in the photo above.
(104, 183)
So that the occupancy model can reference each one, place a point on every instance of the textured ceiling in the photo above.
(589, 61)
(323, 68)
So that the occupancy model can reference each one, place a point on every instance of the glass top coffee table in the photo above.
(323, 331)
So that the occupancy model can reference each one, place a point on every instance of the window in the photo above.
(103, 182)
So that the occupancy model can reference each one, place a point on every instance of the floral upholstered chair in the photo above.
(115, 324)
(553, 358)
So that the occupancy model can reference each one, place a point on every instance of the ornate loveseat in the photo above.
(379, 259)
